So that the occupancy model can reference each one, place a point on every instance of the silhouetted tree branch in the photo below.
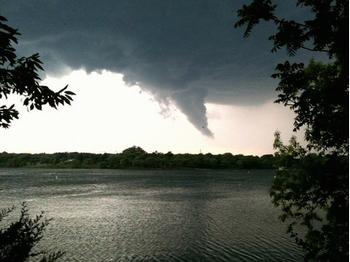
(20, 237)
(20, 76)
(312, 191)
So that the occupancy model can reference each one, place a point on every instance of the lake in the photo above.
(154, 215)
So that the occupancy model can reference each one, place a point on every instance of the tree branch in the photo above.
(315, 50)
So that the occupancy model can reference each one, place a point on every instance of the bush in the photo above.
(20, 237)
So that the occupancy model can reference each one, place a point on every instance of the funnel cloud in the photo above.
(185, 52)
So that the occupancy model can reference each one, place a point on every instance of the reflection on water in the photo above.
(124, 215)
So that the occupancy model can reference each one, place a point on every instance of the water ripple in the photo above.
(116, 215)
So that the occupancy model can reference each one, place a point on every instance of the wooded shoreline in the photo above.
(136, 158)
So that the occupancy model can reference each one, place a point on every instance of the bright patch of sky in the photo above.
(108, 116)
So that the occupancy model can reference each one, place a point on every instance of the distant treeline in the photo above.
(136, 157)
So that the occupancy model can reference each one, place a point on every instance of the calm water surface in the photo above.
(124, 215)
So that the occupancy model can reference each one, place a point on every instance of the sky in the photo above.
(160, 74)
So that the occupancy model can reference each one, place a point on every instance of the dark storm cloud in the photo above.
(186, 52)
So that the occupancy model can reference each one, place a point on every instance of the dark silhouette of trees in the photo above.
(136, 157)
(134, 151)
(20, 237)
(20, 76)
(318, 93)
(312, 191)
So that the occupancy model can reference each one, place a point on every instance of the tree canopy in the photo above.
(20, 76)
(317, 93)
(136, 157)
(312, 192)
(18, 240)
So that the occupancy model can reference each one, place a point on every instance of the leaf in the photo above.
(70, 93)
(62, 89)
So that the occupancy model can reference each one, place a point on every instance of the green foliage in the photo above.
(311, 184)
(312, 193)
(319, 97)
(324, 32)
(134, 150)
(18, 240)
(136, 157)
(317, 93)
(20, 76)
(252, 14)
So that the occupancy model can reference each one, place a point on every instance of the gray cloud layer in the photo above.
(182, 51)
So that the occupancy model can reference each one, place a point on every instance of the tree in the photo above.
(18, 240)
(20, 76)
(311, 184)
(312, 192)
(134, 151)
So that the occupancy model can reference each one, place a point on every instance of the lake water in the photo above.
(154, 215)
